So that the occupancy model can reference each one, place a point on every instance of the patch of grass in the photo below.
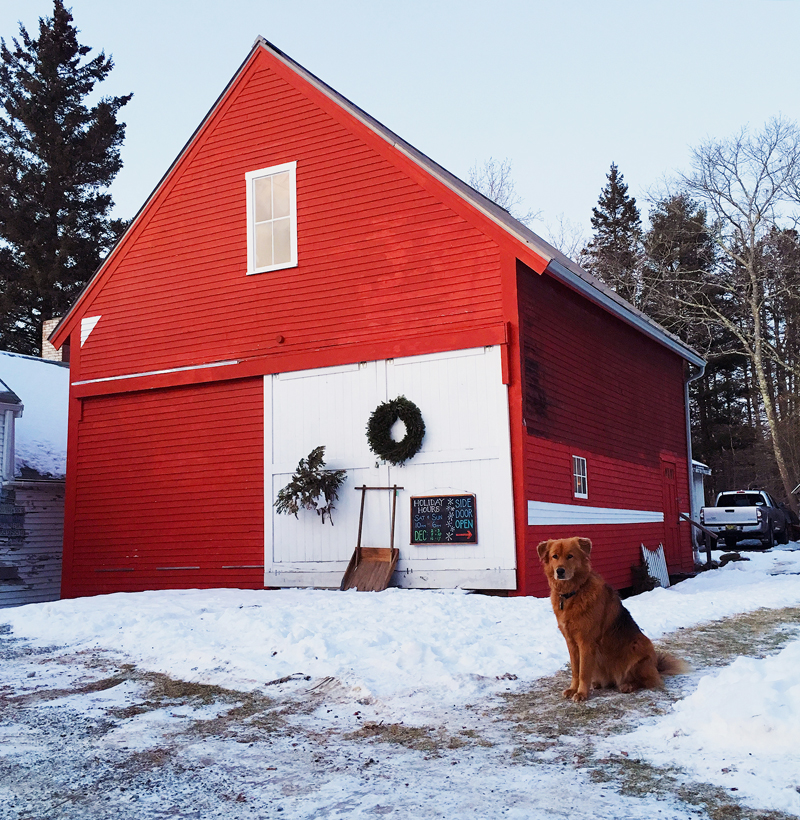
(252, 714)
(421, 738)
(127, 712)
(163, 688)
(78, 689)
(638, 778)
(149, 759)
(542, 712)
(718, 643)
(475, 737)
(249, 713)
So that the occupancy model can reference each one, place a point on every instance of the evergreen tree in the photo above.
(614, 254)
(57, 158)
(679, 255)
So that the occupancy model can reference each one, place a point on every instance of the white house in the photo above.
(33, 446)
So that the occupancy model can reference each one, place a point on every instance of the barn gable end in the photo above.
(380, 254)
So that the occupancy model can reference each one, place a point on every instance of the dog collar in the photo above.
(564, 597)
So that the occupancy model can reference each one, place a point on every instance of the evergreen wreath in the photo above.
(309, 482)
(379, 430)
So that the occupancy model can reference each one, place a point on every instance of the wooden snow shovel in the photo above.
(370, 569)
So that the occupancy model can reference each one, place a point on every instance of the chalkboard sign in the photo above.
(444, 519)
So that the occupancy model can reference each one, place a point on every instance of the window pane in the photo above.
(579, 475)
(263, 244)
(262, 194)
(281, 245)
(280, 191)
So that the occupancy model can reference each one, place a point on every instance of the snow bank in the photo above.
(41, 432)
(445, 645)
(738, 730)
(393, 644)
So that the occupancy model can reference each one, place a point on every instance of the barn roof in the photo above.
(557, 264)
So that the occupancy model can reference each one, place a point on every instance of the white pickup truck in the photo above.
(740, 515)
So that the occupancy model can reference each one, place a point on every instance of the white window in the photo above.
(580, 488)
(271, 218)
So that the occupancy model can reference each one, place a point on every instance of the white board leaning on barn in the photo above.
(466, 450)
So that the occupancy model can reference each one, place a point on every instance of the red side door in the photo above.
(669, 490)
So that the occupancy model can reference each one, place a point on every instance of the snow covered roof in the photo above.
(41, 431)
(7, 395)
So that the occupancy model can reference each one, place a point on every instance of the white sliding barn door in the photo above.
(466, 450)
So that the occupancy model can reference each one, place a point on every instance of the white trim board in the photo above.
(156, 372)
(547, 514)
(487, 578)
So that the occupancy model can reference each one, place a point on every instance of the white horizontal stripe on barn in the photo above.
(545, 513)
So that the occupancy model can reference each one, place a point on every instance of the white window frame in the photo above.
(250, 176)
(580, 483)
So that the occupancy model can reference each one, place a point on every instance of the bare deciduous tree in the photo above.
(567, 236)
(750, 185)
(493, 179)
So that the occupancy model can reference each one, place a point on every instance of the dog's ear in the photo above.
(585, 544)
(542, 549)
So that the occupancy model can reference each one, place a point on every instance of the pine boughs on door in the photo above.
(379, 430)
(311, 483)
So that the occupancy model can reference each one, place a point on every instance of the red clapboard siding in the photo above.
(595, 387)
(379, 256)
(614, 551)
(170, 478)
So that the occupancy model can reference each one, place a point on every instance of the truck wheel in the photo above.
(769, 542)
(784, 539)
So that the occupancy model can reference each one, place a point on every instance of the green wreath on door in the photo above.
(379, 430)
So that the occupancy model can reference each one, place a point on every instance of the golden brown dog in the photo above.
(606, 647)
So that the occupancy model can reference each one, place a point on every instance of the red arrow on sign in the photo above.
(464, 534)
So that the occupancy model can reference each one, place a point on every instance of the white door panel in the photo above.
(466, 450)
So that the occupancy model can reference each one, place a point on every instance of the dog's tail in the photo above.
(670, 665)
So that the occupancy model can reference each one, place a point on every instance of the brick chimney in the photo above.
(48, 351)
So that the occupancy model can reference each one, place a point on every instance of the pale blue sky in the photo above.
(561, 89)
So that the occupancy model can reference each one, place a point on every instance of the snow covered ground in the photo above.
(359, 704)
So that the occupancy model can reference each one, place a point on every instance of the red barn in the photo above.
(298, 265)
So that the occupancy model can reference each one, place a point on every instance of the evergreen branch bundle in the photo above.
(310, 483)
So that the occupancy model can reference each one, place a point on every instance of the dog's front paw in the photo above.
(579, 696)
(568, 693)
